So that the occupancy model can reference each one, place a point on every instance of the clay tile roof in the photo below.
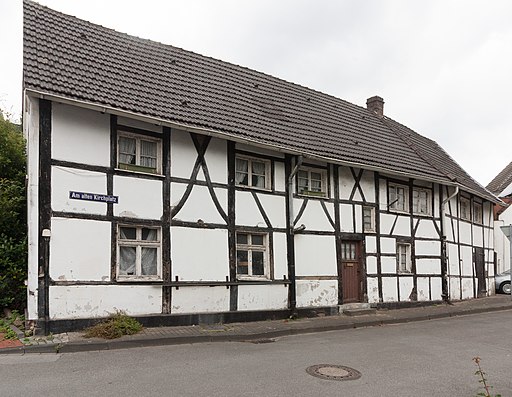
(78, 60)
(501, 182)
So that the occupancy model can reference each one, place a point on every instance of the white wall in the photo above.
(262, 297)
(138, 198)
(200, 300)
(501, 242)
(317, 293)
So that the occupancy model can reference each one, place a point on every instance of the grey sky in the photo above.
(442, 67)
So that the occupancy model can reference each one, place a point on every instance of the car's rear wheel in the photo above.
(505, 288)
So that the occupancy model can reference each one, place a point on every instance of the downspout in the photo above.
(444, 256)
(291, 245)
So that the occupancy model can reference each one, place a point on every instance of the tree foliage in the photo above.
(13, 231)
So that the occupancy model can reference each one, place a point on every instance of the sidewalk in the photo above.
(256, 332)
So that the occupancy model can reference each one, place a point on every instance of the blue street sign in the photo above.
(104, 198)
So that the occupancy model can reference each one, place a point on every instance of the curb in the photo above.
(355, 322)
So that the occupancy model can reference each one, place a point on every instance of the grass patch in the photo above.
(116, 326)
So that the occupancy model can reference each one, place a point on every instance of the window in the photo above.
(136, 153)
(478, 216)
(465, 209)
(403, 257)
(252, 172)
(368, 219)
(138, 253)
(398, 198)
(421, 201)
(312, 182)
(251, 255)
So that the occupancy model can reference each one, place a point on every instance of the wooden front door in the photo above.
(480, 272)
(351, 279)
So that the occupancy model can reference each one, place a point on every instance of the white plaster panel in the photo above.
(80, 250)
(314, 216)
(436, 201)
(346, 218)
(450, 230)
(383, 195)
(426, 229)
(216, 160)
(386, 223)
(387, 245)
(367, 183)
(199, 204)
(279, 177)
(138, 197)
(372, 286)
(371, 244)
(406, 286)
(346, 182)
(71, 302)
(371, 265)
(183, 154)
(453, 259)
(402, 226)
(315, 255)
(280, 256)
(199, 254)
(200, 300)
(262, 297)
(275, 208)
(357, 194)
(423, 288)
(465, 232)
(467, 288)
(478, 237)
(428, 266)
(80, 135)
(427, 247)
(124, 121)
(389, 289)
(359, 218)
(317, 293)
(454, 288)
(388, 264)
(31, 133)
(66, 179)
(247, 211)
(467, 260)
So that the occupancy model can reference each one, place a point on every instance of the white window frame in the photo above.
(465, 215)
(137, 167)
(478, 218)
(416, 201)
(268, 169)
(394, 202)
(403, 267)
(250, 248)
(138, 243)
(323, 193)
(371, 227)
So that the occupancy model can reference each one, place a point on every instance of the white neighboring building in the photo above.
(183, 189)
(501, 186)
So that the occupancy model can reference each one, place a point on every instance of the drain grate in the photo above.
(333, 372)
(263, 340)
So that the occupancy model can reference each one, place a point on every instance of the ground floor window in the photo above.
(403, 253)
(138, 253)
(252, 255)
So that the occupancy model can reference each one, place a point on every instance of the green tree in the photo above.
(13, 231)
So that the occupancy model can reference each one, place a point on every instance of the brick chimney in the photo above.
(375, 104)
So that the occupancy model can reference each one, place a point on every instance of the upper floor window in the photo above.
(138, 253)
(139, 153)
(368, 219)
(312, 182)
(478, 216)
(252, 255)
(252, 172)
(465, 208)
(421, 201)
(398, 197)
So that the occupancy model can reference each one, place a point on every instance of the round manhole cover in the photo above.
(333, 372)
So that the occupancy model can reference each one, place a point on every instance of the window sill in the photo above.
(152, 174)
(259, 189)
(121, 279)
(319, 195)
(252, 278)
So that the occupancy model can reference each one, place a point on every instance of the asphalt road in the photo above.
(429, 358)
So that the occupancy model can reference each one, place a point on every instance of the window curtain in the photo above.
(127, 258)
(149, 261)
(127, 150)
(148, 154)
(258, 174)
(242, 168)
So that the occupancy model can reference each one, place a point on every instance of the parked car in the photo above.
(503, 282)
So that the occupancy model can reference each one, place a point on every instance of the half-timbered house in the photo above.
(179, 188)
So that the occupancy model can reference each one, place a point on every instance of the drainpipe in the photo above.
(291, 245)
(444, 256)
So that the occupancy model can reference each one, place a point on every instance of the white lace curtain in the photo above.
(127, 150)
